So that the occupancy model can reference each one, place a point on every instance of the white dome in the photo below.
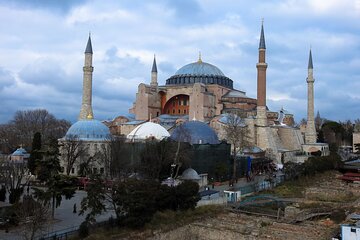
(148, 130)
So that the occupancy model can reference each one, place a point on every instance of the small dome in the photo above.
(148, 130)
(88, 130)
(190, 174)
(199, 68)
(20, 152)
(253, 149)
(195, 132)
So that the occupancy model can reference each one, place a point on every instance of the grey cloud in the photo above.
(6, 78)
(60, 6)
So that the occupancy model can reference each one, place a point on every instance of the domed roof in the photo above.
(148, 130)
(200, 72)
(20, 152)
(195, 132)
(88, 130)
(199, 68)
(190, 174)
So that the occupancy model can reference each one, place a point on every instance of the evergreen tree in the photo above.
(57, 185)
(35, 154)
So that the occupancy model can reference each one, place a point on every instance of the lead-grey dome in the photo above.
(88, 130)
(200, 68)
(200, 72)
(195, 132)
(190, 174)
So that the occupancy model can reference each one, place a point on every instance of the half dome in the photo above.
(148, 130)
(195, 132)
(88, 130)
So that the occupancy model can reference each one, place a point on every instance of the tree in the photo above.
(57, 185)
(23, 126)
(181, 150)
(187, 195)
(13, 175)
(156, 158)
(99, 199)
(137, 200)
(35, 154)
(34, 216)
(237, 134)
(72, 149)
(118, 166)
(318, 121)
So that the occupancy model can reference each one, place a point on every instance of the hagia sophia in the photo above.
(200, 97)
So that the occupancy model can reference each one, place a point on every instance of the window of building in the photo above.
(184, 111)
(157, 114)
(95, 170)
(102, 170)
(179, 102)
(179, 111)
(184, 102)
(173, 111)
(73, 170)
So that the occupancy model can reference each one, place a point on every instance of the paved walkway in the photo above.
(64, 218)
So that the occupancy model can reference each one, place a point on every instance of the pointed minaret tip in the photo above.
(88, 45)
(310, 65)
(154, 67)
(262, 36)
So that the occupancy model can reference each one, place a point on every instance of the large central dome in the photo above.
(199, 68)
(200, 72)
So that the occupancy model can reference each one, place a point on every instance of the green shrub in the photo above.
(84, 230)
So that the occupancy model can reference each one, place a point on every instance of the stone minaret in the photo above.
(154, 74)
(310, 133)
(86, 107)
(261, 119)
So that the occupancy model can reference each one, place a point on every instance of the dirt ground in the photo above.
(320, 193)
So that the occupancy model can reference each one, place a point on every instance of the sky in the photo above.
(42, 46)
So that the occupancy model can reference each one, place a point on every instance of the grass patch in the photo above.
(296, 188)
(164, 221)
(168, 220)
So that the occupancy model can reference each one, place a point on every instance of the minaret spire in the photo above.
(154, 74)
(88, 48)
(310, 133)
(310, 64)
(262, 36)
(86, 112)
(261, 81)
(154, 67)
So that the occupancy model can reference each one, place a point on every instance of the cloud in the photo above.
(42, 45)
(62, 6)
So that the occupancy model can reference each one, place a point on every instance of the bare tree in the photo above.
(180, 150)
(119, 166)
(14, 174)
(21, 129)
(72, 149)
(237, 134)
(33, 216)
